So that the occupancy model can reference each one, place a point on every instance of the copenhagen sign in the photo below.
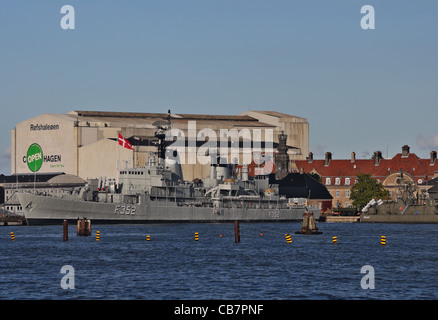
(35, 158)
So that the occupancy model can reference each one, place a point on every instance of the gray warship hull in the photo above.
(40, 209)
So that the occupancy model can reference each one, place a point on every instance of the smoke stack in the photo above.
(432, 157)
(377, 157)
(310, 157)
(353, 157)
(328, 157)
(245, 172)
(405, 151)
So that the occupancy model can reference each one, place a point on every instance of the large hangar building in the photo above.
(86, 144)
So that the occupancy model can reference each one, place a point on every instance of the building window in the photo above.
(328, 181)
(338, 193)
(337, 181)
(347, 181)
(347, 193)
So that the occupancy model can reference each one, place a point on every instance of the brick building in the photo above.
(339, 175)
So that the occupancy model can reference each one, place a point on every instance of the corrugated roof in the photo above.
(217, 117)
(110, 114)
(119, 114)
(277, 114)
(29, 177)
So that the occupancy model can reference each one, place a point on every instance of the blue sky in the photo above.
(360, 90)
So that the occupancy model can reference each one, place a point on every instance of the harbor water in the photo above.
(171, 265)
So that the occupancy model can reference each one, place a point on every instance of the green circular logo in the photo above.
(34, 157)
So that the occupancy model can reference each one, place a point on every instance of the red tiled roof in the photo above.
(411, 164)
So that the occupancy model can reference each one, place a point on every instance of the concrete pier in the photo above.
(342, 219)
(12, 221)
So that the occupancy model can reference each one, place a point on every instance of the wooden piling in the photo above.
(65, 230)
(236, 231)
(84, 227)
(309, 225)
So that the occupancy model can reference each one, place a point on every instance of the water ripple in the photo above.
(123, 265)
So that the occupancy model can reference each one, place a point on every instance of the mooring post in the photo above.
(84, 227)
(236, 231)
(65, 230)
(80, 227)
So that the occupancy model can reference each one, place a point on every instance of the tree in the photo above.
(365, 189)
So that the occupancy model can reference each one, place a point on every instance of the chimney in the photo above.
(377, 157)
(353, 157)
(432, 158)
(310, 157)
(328, 157)
(405, 151)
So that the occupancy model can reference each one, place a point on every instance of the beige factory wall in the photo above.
(103, 159)
(296, 129)
(55, 134)
(89, 151)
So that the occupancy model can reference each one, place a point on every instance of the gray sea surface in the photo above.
(173, 266)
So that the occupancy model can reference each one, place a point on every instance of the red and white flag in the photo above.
(124, 143)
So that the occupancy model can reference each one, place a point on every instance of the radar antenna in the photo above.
(162, 127)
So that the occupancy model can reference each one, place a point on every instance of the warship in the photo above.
(409, 207)
(157, 193)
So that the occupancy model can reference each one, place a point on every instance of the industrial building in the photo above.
(87, 143)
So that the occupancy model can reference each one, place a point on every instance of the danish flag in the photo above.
(124, 143)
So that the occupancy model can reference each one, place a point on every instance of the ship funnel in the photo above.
(245, 172)
(173, 163)
(223, 172)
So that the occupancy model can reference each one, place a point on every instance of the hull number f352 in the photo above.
(122, 209)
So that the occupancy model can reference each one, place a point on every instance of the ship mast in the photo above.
(160, 134)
